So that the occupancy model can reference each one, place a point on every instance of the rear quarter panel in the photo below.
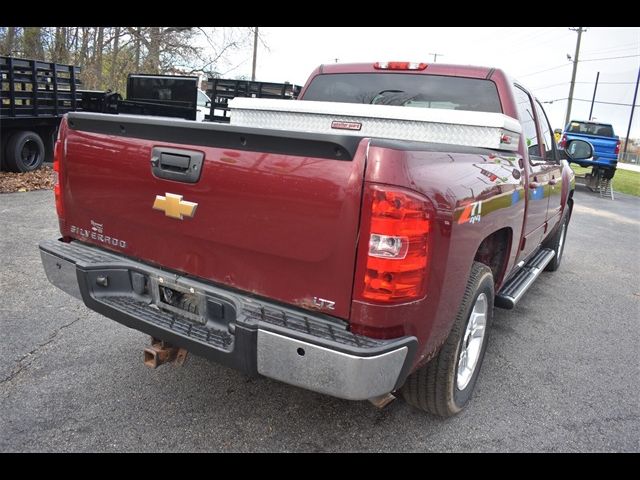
(473, 194)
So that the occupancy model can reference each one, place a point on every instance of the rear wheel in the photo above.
(24, 152)
(444, 386)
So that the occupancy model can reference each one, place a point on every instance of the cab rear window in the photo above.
(407, 90)
(591, 128)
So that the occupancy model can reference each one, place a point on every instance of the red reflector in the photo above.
(374, 332)
(393, 249)
(399, 66)
(57, 155)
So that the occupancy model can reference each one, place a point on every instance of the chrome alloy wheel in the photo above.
(472, 341)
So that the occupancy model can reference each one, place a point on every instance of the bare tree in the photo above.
(114, 57)
(32, 41)
(99, 45)
(60, 52)
(106, 55)
(8, 43)
(138, 35)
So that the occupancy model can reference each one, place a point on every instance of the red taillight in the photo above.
(393, 248)
(617, 150)
(399, 66)
(57, 156)
(563, 141)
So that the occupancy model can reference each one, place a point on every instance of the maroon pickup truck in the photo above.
(353, 242)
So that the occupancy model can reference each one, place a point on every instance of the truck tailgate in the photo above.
(277, 213)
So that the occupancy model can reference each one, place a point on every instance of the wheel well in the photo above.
(494, 252)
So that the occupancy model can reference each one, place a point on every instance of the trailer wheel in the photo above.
(24, 152)
(444, 385)
(3, 144)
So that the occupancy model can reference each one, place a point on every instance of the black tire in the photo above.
(608, 173)
(434, 387)
(3, 144)
(24, 152)
(557, 242)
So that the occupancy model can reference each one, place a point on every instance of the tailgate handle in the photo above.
(176, 164)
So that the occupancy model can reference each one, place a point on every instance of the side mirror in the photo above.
(578, 150)
(207, 104)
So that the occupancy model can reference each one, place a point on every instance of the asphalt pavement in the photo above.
(561, 373)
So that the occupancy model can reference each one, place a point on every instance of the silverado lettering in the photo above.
(94, 235)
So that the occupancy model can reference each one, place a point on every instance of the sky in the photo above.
(535, 56)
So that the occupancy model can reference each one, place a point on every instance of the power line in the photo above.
(597, 101)
(591, 83)
(612, 83)
(547, 70)
(608, 58)
(622, 46)
(516, 42)
(587, 60)
(549, 86)
(535, 36)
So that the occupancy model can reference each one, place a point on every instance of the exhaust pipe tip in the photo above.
(382, 401)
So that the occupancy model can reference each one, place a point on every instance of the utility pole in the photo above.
(255, 53)
(573, 75)
(633, 106)
(594, 95)
(435, 56)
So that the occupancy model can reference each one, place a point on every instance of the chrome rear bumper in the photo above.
(253, 335)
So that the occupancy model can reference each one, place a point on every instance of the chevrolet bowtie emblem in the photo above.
(173, 206)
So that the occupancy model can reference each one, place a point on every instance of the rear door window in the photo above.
(591, 128)
(527, 120)
(549, 145)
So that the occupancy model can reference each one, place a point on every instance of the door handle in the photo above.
(176, 164)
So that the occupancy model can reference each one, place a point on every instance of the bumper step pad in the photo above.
(170, 321)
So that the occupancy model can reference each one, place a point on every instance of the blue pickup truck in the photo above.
(606, 145)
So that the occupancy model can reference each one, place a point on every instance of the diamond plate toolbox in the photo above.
(454, 127)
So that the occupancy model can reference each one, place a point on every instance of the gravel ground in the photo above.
(561, 372)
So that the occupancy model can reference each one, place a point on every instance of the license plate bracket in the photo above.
(184, 301)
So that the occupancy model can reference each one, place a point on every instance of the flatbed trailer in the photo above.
(35, 96)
